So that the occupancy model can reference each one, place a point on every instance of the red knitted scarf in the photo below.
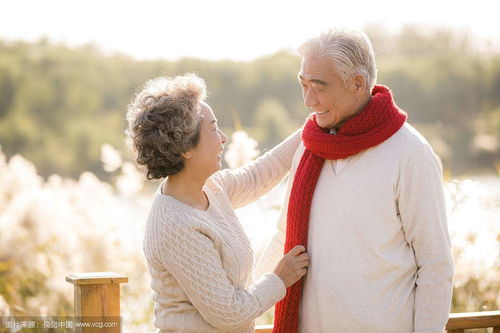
(380, 119)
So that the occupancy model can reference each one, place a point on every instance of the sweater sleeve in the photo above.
(248, 183)
(276, 247)
(191, 257)
(423, 215)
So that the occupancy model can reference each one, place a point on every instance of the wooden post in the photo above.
(97, 301)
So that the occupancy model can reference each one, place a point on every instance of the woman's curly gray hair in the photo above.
(164, 121)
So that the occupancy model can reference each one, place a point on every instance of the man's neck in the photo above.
(360, 109)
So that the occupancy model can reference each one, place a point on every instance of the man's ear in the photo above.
(359, 83)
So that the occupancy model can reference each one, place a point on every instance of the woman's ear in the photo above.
(187, 155)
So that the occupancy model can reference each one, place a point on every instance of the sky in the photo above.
(228, 29)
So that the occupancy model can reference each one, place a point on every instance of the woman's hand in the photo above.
(293, 265)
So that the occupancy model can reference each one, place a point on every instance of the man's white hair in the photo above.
(350, 51)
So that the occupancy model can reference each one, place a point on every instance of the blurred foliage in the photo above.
(58, 105)
(55, 227)
(51, 228)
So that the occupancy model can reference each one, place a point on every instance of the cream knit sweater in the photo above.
(201, 261)
(378, 242)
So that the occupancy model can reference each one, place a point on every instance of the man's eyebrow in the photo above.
(318, 81)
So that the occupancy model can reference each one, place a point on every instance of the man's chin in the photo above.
(325, 125)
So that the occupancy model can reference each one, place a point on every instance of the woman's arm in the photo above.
(192, 258)
(275, 248)
(248, 183)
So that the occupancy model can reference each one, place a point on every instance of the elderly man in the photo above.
(365, 197)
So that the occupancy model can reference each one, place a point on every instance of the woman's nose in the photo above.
(223, 137)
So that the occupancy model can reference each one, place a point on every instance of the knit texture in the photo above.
(201, 261)
(378, 242)
(378, 121)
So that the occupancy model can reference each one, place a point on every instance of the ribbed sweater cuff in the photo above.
(269, 289)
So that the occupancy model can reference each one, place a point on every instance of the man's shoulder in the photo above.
(414, 147)
(409, 140)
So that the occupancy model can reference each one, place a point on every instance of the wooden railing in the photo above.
(97, 295)
(457, 322)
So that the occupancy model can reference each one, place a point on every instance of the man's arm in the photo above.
(423, 215)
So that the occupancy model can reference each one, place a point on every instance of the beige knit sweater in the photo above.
(378, 242)
(201, 261)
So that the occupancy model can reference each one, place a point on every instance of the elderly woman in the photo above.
(198, 255)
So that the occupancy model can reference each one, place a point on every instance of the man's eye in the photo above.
(318, 87)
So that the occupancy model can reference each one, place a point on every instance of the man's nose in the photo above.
(310, 99)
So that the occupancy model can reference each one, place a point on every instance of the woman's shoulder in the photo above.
(171, 225)
(216, 183)
(167, 213)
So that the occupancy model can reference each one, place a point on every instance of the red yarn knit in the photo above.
(380, 119)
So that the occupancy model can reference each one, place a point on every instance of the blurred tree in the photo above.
(272, 123)
(59, 104)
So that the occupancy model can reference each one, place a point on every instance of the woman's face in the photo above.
(207, 155)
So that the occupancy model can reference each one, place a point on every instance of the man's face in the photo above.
(324, 91)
